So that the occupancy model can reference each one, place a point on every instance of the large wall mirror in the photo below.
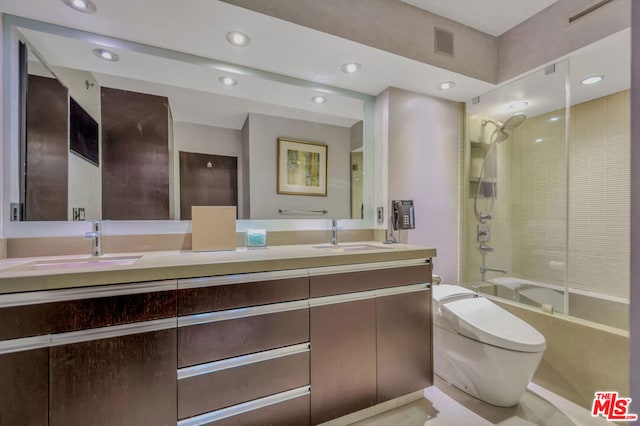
(153, 132)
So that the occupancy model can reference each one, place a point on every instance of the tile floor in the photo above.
(444, 404)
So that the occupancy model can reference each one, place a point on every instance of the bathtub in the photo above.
(600, 308)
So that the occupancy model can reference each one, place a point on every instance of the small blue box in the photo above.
(256, 238)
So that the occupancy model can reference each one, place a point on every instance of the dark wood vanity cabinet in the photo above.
(370, 338)
(404, 338)
(90, 356)
(126, 380)
(293, 347)
(343, 359)
(24, 388)
(244, 339)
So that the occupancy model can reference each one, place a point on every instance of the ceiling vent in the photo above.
(443, 42)
(581, 14)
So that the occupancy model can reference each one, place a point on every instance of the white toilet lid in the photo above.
(486, 322)
(442, 292)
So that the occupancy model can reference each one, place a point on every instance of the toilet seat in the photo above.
(482, 320)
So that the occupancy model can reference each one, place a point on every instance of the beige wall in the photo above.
(392, 26)
(579, 359)
(547, 36)
(424, 135)
(635, 210)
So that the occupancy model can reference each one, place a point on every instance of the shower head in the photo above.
(501, 135)
(514, 121)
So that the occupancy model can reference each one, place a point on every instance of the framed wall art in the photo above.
(302, 168)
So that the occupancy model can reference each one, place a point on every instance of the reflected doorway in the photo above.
(207, 180)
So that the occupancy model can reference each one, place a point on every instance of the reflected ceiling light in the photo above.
(519, 105)
(351, 67)
(106, 55)
(228, 81)
(237, 38)
(554, 119)
(592, 80)
(446, 85)
(85, 6)
(539, 140)
(319, 99)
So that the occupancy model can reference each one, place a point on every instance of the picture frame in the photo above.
(302, 168)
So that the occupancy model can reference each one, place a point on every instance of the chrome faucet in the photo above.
(334, 232)
(96, 238)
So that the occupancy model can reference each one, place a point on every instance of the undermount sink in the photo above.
(351, 247)
(72, 263)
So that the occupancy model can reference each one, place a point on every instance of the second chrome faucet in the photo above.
(334, 232)
(96, 238)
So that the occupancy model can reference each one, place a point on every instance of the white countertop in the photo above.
(18, 274)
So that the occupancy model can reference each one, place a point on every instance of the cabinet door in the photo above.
(343, 359)
(125, 380)
(404, 360)
(24, 388)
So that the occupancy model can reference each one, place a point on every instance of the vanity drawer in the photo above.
(220, 338)
(39, 313)
(242, 379)
(294, 412)
(350, 282)
(220, 293)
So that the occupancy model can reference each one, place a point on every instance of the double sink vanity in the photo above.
(287, 335)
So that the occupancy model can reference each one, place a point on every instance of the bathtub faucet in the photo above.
(484, 269)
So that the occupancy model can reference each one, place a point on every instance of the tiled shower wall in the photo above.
(530, 214)
(599, 188)
(539, 199)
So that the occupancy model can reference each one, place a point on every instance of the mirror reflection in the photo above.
(123, 135)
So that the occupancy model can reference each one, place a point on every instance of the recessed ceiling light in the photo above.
(237, 38)
(519, 105)
(351, 67)
(228, 81)
(592, 80)
(446, 85)
(85, 6)
(539, 140)
(319, 99)
(554, 119)
(106, 55)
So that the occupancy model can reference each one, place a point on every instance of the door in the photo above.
(343, 359)
(24, 388)
(126, 380)
(207, 180)
(404, 363)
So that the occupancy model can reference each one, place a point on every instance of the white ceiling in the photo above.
(276, 45)
(293, 50)
(489, 16)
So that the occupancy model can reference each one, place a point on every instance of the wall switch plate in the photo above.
(380, 214)
(15, 212)
(78, 213)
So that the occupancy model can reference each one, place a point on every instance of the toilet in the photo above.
(481, 348)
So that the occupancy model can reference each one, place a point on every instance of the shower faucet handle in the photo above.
(483, 233)
(485, 248)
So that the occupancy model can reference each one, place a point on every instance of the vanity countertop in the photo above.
(18, 275)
